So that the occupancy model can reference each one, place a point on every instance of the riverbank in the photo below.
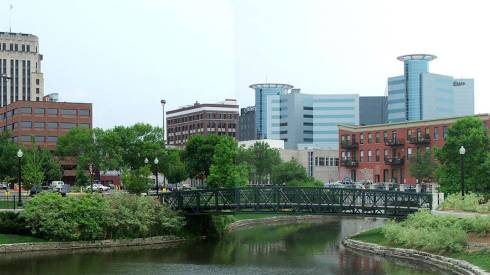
(256, 220)
(374, 241)
(53, 246)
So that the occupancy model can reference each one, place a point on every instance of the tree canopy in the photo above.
(259, 160)
(8, 157)
(470, 133)
(422, 167)
(198, 154)
(224, 170)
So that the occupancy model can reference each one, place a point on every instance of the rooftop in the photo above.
(420, 56)
(271, 85)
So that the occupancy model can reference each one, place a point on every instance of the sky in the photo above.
(125, 56)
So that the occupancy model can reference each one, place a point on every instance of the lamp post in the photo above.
(19, 156)
(156, 174)
(163, 102)
(462, 151)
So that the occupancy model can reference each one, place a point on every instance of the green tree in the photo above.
(198, 154)
(137, 181)
(289, 172)
(51, 166)
(470, 133)
(8, 157)
(224, 170)
(259, 159)
(32, 170)
(174, 167)
(422, 167)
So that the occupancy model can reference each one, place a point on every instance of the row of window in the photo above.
(43, 125)
(16, 47)
(43, 111)
(411, 133)
(362, 157)
(37, 139)
(326, 161)
(202, 116)
(183, 138)
(200, 126)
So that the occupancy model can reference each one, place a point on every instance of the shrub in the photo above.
(94, 217)
(13, 223)
(137, 181)
(472, 202)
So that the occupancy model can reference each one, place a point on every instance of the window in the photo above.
(336, 161)
(361, 156)
(39, 111)
(370, 138)
(69, 112)
(386, 154)
(427, 132)
(385, 136)
(83, 125)
(332, 162)
(307, 108)
(377, 137)
(321, 161)
(37, 90)
(52, 125)
(409, 153)
(52, 111)
(436, 133)
(343, 155)
(378, 155)
(316, 161)
(369, 155)
(38, 124)
(37, 81)
(24, 110)
(444, 132)
(361, 138)
(409, 134)
(52, 139)
(39, 139)
(25, 138)
(308, 116)
(25, 124)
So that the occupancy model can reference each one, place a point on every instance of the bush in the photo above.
(472, 202)
(13, 223)
(137, 181)
(94, 217)
(434, 233)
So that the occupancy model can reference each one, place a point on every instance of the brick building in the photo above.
(380, 153)
(202, 118)
(45, 121)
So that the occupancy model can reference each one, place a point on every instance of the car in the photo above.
(4, 186)
(98, 187)
(57, 185)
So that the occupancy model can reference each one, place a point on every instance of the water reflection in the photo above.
(308, 248)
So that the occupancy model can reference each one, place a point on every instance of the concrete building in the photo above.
(20, 68)
(380, 153)
(320, 164)
(202, 118)
(420, 95)
(303, 120)
(246, 125)
(273, 143)
(373, 110)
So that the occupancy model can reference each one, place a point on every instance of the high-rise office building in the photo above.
(246, 125)
(419, 94)
(20, 68)
(373, 110)
(303, 120)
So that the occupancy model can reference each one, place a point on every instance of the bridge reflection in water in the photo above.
(307, 200)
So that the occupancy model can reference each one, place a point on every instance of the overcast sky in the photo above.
(124, 56)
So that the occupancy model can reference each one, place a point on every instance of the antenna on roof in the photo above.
(10, 16)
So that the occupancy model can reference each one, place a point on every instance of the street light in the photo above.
(156, 173)
(163, 102)
(19, 156)
(462, 151)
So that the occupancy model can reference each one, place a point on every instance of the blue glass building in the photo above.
(419, 94)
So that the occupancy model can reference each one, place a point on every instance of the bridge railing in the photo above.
(298, 199)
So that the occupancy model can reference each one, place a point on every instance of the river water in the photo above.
(306, 248)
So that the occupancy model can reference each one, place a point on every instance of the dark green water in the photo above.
(312, 248)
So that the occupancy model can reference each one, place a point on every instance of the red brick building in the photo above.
(45, 121)
(380, 153)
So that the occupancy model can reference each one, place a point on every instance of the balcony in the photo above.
(351, 163)
(420, 140)
(347, 144)
(394, 160)
(394, 142)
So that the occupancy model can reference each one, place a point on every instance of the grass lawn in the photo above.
(7, 205)
(478, 258)
(9, 238)
(254, 216)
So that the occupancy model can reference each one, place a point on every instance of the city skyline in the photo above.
(216, 49)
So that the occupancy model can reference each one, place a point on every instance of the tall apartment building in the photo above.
(202, 118)
(373, 110)
(20, 68)
(419, 95)
(381, 153)
(302, 120)
(246, 125)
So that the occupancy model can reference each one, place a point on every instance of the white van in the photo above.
(57, 185)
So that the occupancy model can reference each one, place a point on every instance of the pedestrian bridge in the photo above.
(297, 200)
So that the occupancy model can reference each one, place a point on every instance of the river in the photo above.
(306, 248)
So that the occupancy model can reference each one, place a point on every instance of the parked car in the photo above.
(57, 185)
(98, 187)
(4, 186)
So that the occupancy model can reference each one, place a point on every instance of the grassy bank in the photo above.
(254, 216)
(478, 258)
(11, 238)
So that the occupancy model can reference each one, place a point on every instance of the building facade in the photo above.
(246, 125)
(420, 95)
(373, 110)
(321, 164)
(304, 120)
(20, 68)
(202, 118)
(381, 153)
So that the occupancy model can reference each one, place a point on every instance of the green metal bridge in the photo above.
(297, 200)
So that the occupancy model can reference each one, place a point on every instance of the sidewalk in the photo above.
(458, 214)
